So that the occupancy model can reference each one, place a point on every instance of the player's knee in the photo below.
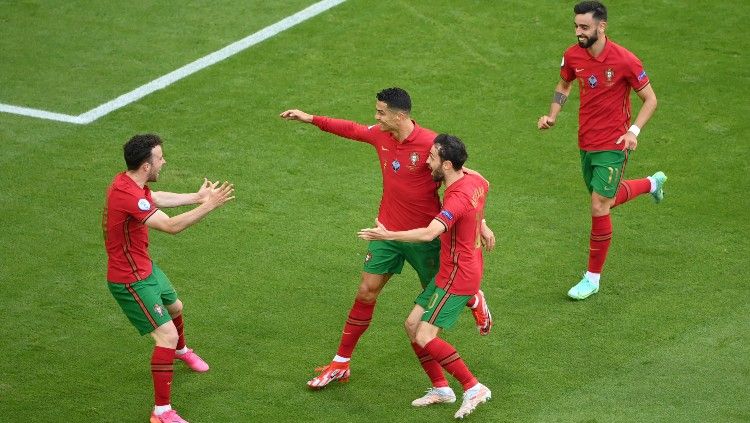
(166, 336)
(367, 294)
(423, 338)
(411, 329)
(175, 308)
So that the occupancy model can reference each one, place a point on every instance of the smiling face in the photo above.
(588, 29)
(387, 118)
(154, 164)
(436, 165)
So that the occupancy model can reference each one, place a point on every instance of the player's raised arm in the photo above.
(164, 199)
(562, 91)
(216, 197)
(294, 114)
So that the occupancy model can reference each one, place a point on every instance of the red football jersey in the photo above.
(461, 260)
(605, 82)
(410, 199)
(125, 234)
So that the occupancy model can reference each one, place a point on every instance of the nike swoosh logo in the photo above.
(579, 70)
(383, 148)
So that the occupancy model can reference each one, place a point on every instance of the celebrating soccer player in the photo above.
(459, 225)
(409, 201)
(606, 72)
(140, 287)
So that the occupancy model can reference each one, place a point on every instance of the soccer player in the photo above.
(606, 72)
(140, 287)
(409, 201)
(458, 224)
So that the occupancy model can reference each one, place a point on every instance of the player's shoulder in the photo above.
(620, 51)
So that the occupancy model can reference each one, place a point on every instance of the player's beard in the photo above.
(438, 175)
(153, 175)
(589, 41)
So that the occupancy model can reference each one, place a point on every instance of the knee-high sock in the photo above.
(448, 358)
(356, 324)
(161, 372)
(601, 236)
(180, 325)
(430, 366)
(630, 189)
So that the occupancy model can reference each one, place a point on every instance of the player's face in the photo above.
(387, 118)
(155, 164)
(588, 30)
(436, 166)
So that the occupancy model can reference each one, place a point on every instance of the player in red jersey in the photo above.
(141, 289)
(459, 225)
(409, 201)
(606, 72)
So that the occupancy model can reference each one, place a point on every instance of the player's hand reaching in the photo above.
(295, 114)
(218, 195)
(203, 191)
(545, 122)
(488, 237)
(379, 232)
(628, 140)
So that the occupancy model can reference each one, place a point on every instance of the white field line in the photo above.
(180, 73)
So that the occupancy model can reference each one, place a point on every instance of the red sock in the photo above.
(180, 325)
(161, 373)
(448, 357)
(356, 324)
(601, 236)
(430, 366)
(630, 189)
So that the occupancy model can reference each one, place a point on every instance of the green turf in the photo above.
(267, 281)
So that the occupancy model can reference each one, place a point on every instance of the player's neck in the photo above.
(137, 177)
(404, 130)
(598, 47)
(453, 176)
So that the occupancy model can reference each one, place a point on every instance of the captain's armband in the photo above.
(559, 98)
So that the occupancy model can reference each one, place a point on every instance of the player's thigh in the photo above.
(166, 290)
(384, 257)
(607, 167)
(424, 257)
(443, 308)
(142, 304)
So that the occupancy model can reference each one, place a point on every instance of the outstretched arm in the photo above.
(414, 235)
(164, 199)
(299, 115)
(562, 91)
(215, 198)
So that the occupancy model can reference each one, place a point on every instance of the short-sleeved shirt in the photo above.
(410, 199)
(126, 210)
(605, 82)
(461, 260)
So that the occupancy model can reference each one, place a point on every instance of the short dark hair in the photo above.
(138, 149)
(450, 147)
(396, 98)
(598, 10)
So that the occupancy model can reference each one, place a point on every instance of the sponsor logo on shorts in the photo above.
(159, 309)
(368, 257)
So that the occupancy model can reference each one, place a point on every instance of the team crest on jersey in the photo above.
(414, 158)
(368, 257)
(609, 73)
(592, 81)
(395, 165)
(144, 205)
(159, 309)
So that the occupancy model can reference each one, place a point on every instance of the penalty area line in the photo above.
(178, 74)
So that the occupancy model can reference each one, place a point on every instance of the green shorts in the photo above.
(389, 256)
(442, 309)
(144, 302)
(602, 170)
